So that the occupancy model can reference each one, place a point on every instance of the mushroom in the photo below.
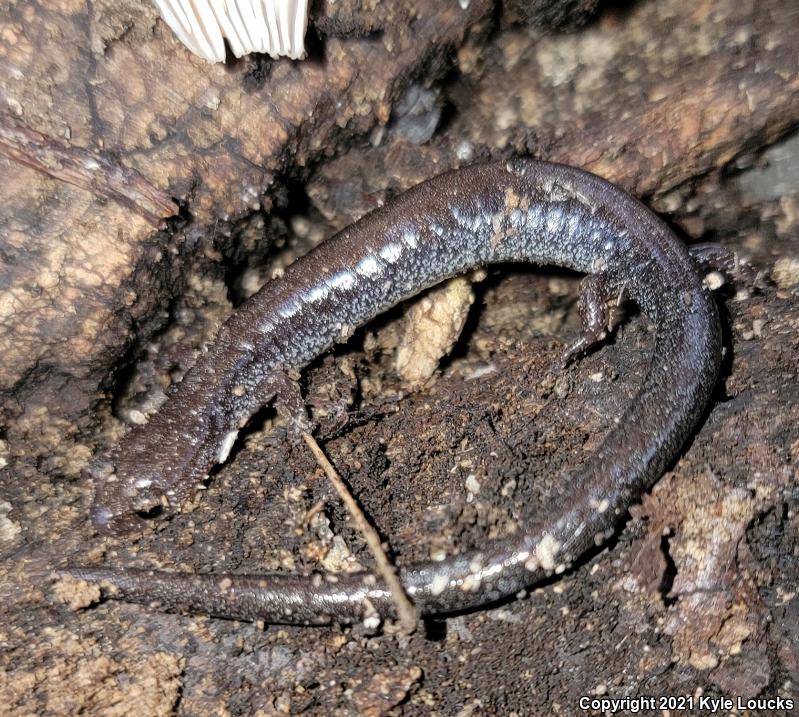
(276, 27)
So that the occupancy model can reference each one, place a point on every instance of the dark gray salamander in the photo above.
(521, 210)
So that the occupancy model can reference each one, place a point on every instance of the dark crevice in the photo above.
(669, 573)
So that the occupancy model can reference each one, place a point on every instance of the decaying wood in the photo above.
(82, 277)
(647, 109)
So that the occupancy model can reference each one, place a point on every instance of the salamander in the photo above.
(508, 211)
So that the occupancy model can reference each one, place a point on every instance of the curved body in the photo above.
(522, 210)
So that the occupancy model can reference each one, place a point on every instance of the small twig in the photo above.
(405, 609)
(317, 507)
(84, 168)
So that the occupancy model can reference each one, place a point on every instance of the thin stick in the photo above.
(405, 609)
(97, 173)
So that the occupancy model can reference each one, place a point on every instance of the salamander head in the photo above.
(152, 474)
(123, 503)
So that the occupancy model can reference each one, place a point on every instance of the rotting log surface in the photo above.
(82, 272)
(698, 593)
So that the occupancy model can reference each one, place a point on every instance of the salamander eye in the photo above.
(123, 503)
(148, 500)
(107, 521)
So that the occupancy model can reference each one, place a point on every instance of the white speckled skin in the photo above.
(521, 210)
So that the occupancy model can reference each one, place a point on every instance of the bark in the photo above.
(83, 272)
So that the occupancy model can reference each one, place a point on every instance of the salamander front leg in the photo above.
(290, 404)
(595, 293)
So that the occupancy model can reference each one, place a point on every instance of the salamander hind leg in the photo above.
(721, 264)
(595, 293)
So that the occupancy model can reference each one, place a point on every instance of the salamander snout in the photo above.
(123, 504)
(107, 521)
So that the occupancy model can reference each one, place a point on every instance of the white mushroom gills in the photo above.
(275, 27)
